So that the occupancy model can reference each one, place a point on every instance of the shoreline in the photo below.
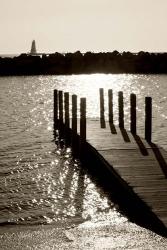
(87, 235)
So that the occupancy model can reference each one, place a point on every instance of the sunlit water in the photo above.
(39, 181)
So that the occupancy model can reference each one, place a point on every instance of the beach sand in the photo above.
(87, 235)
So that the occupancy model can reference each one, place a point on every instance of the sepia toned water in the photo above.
(39, 181)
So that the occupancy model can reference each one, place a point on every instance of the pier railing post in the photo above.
(82, 125)
(133, 113)
(60, 107)
(148, 118)
(61, 125)
(74, 125)
(66, 116)
(101, 91)
(110, 105)
(121, 109)
(55, 114)
(66, 109)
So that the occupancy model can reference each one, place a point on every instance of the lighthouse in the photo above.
(33, 48)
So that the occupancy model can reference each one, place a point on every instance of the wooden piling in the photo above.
(55, 114)
(121, 109)
(110, 105)
(66, 110)
(101, 91)
(74, 125)
(133, 113)
(148, 118)
(82, 127)
(67, 119)
(83, 119)
(60, 94)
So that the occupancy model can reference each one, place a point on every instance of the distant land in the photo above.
(83, 63)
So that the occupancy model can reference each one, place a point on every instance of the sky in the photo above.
(85, 25)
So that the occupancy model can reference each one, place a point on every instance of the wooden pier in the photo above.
(137, 167)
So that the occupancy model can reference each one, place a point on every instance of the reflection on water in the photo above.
(39, 181)
(47, 188)
(30, 98)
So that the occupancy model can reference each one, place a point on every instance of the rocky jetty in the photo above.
(84, 63)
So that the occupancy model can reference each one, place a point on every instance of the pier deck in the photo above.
(134, 168)
(140, 164)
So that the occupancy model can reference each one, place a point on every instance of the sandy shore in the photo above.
(87, 235)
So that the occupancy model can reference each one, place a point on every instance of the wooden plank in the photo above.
(142, 172)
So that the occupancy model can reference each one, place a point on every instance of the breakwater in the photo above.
(79, 63)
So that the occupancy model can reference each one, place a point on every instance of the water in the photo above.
(8, 55)
(39, 181)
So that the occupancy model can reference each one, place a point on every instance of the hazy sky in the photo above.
(85, 25)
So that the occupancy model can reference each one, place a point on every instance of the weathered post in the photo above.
(66, 118)
(61, 125)
(133, 113)
(82, 125)
(101, 91)
(60, 109)
(110, 105)
(66, 109)
(148, 118)
(55, 114)
(74, 125)
(121, 109)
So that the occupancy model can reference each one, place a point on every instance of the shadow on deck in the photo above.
(116, 189)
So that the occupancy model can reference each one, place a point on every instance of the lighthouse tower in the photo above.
(33, 48)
